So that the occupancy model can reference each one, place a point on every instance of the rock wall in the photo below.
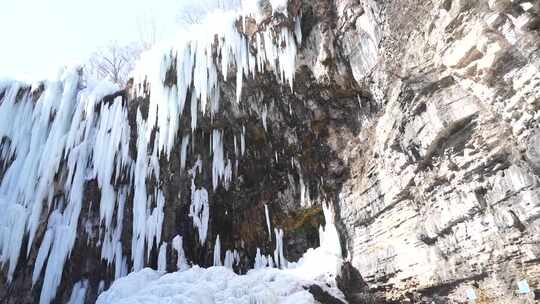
(415, 120)
(443, 194)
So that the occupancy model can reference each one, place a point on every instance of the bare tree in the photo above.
(114, 62)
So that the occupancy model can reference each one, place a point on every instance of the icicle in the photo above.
(217, 252)
(228, 262)
(199, 209)
(230, 259)
(193, 113)
(264, 116)
(183, 151)
(305, 199)
(243, 141)
(162, 258)
(123, 269)
(140, 197)
(267, 221)
(298, 30)
(42, 255)
(199, 212)
(270, 261)
(303, 192)
(328, 236)
(14, 220)
(235, 147)
(218, 164)
(260, 260)
(64, 239)
(78, 293)
(154, 223)
(279, 258)
(181, 263)
(101, 287)
(227, 175)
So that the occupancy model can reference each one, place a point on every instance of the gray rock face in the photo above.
(444, 192)
(417, 121)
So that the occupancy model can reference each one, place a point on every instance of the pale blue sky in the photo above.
(39, 36)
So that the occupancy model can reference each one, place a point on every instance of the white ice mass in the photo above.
(264, 284)
(59, 134)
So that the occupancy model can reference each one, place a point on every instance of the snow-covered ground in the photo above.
(218, 284)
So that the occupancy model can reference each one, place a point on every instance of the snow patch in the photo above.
(217, 284)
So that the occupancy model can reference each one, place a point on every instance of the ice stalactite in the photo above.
(199, 208)
(227, 174)
(162, 258)
(229, 259)
(13, 219)
(217, 252)
(221, 166)
(260, 260)
(328, 235)
(279, 258)
(147, 222)
(181, 262)
(218, 163)
(154, 222)
(305, 198)
(267, 216)
(43, 253)
(78, 294)
(270, 261)
(264, 117)
(243, 141)
(139, 199)
(232, 258)
(111, 247)
(101, 287)
(183, 151)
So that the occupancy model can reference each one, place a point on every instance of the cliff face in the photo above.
(443, 193)
(415, 121)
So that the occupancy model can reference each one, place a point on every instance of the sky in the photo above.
(37, 37)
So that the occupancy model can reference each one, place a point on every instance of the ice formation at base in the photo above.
(264, 284)
(212, 285)
(58, 135)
